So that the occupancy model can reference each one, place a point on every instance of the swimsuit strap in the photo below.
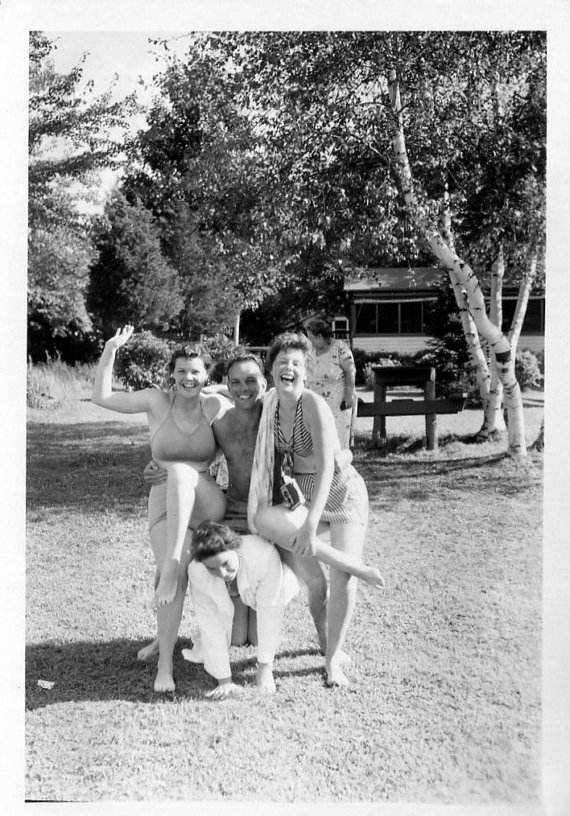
(300, 441)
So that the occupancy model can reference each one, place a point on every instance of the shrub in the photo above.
(143, 362)
(359, 362)
(527, 370)
(450, 377)
(540, 358)
(220, 348)
(364, 360)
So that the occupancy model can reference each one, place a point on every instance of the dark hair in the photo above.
(211, 538)
(283, 342)
(319, 325)
(242, 356)
(189, 352)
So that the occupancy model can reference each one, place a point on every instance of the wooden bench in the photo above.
(398, 376)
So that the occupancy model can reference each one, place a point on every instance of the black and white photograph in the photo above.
(288, 516)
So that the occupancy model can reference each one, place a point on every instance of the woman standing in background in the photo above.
(331, 373)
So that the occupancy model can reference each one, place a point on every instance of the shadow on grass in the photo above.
(98, 672)
(98, 463)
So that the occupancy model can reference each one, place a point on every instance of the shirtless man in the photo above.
(235, 433)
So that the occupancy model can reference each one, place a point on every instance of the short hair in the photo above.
(288, 340)
(189, 351)
(242, 356)
(319, 325)
(211, 538)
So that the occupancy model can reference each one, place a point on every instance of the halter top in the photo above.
(170, 444)
(300, 442)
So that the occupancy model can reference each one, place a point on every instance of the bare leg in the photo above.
(309, 571)
(169, 615)
(148, 653)
(239, 625)
(251, 626)
(349, 538)
(280, 525)
(185, 489)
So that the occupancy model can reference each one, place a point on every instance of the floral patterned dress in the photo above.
(325, 376)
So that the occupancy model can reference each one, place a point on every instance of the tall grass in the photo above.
(54, 383)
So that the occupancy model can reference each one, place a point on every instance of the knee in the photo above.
(182, 474)
(263, 522)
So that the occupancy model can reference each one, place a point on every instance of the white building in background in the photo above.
(386, 311)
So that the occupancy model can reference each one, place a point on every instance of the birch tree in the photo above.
(463, 273)
(326, 114)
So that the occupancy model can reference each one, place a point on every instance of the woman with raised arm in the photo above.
(181, 441)
(297, 433)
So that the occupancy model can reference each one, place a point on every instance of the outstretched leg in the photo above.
(280, 525)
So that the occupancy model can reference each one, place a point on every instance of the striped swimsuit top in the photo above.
(300, 443)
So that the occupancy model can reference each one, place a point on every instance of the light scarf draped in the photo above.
(261, 484)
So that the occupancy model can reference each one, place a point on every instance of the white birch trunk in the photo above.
(494, 420)
(497, 341)
(476, 355)
(522, 301)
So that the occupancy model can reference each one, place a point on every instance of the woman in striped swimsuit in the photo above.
(183, 443)
(297, 425)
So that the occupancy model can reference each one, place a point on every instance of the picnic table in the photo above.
(422, 377)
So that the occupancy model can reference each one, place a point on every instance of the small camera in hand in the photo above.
(291, 493)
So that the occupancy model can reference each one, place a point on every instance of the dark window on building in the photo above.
(396, 317)
(411, 318)
(366, 318)
(387, 318)
(533, 319)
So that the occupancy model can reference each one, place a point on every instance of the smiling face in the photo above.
(289, 372)
(189, 375)
(223, 565)
(246, 384)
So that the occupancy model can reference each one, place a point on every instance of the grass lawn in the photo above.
(445, 701)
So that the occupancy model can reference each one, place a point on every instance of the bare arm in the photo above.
(134, 402)
(349, 383)
(320, 423)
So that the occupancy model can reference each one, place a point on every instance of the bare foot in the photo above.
(167, 586)
(372, 576)
(335, 675)
(193, 655)
(264, 678)
(341, 657)
(164, 681)
(149, 652)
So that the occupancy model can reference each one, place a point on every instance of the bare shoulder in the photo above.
(316, 410)
(214, 405)
(313, 402)
(158, 400)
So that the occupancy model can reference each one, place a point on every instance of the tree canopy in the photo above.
(71, 135)
(267, 162)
